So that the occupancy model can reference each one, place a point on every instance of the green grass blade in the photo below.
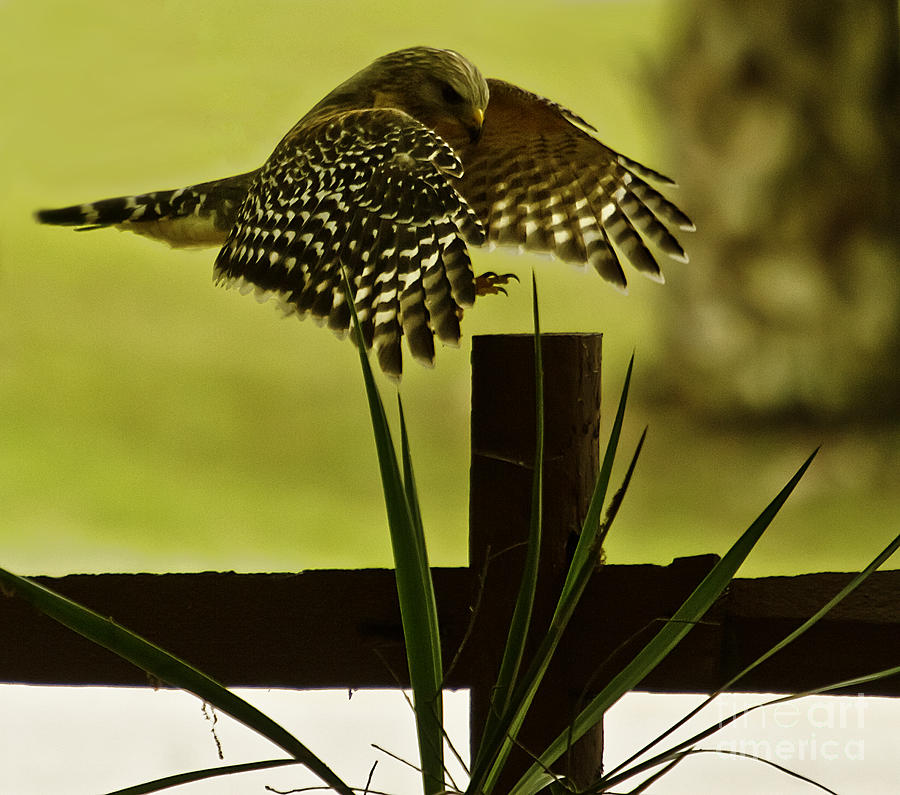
(617, 776)
(780, 768)
(857, 580)
(415, 592)
(693, 609)
(649, 782)
(430, 604)
(199, 775)
(409, 481)
(165, 667)
(520, 623)
(851, 586)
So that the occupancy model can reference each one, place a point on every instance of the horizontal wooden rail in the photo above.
(283, 630)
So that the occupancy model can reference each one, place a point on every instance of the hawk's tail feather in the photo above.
(108, 212)
(217, 201)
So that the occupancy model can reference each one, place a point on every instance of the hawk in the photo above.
(390, 178)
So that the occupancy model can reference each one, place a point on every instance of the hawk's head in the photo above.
(440, 88)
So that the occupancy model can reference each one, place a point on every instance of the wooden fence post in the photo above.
(503, 440)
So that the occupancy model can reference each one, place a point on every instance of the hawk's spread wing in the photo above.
(383, 178)
(369, 190)
(538, 178)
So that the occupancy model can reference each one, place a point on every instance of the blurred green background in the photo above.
(153, 423)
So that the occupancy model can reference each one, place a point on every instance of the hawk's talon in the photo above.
(489, 283)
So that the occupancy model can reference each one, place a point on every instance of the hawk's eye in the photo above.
(450, 94)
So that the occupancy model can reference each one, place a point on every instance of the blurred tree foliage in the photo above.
(786, 122)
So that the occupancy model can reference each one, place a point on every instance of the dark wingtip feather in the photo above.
(390, 358)
(645, 171)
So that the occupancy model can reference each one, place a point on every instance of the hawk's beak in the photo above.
(475, 124)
